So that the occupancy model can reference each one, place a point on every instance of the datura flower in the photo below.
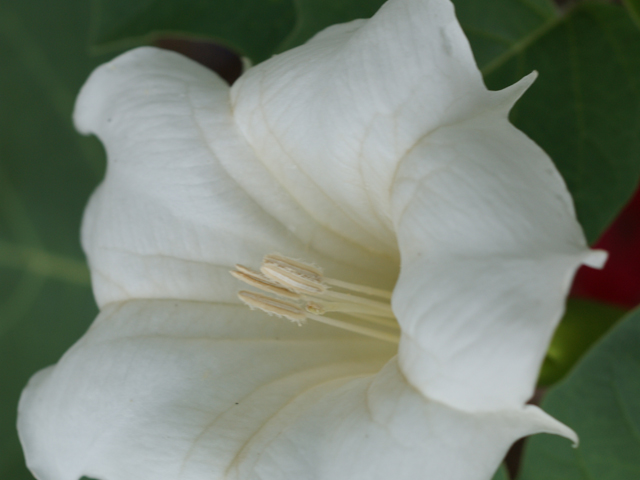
(405, 252)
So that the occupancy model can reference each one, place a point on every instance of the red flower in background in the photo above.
(618, 282)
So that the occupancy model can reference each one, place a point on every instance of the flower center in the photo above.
(300, 292)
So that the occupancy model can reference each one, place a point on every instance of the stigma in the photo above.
(299, 292)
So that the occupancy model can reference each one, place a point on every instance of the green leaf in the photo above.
(584, 109)
(501, 474)
(315, 15)
(46, 175)
(254, 28)
(634, 9)
(582, 325)
(498, 29)
(259, 28)
(599, 400)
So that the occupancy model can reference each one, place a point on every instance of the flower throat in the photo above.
(300, 292)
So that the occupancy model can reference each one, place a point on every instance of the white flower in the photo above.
(374, 152)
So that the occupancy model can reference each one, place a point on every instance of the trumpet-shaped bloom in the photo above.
(375, 152)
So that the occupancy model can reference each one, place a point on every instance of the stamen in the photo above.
(385, 322)
(306, 278)
(297, 276)
(274, 306)
(256, 279)
(300, 281)
(375, 308)
(351, 310)
(354, 287)
(317, 308)
(387, 337)
(287, 262)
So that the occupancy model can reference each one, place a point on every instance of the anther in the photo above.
(256, 279)
(297, 276)
(273, 306)
(306, 286)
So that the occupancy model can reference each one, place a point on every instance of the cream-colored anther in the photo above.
(287, 262)
(297, 276)
(273, 306)
(314, 282)
(256, 279)
(248, 271)
(296, 280)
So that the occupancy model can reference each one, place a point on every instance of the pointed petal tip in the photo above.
(542, 422)
(596, 258)
(510, 95)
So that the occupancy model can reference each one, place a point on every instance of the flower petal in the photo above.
(489, 245)
(388, 121)
(170, 219)
(332, 119)
(167, 390)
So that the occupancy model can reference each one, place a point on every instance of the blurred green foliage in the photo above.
(600, 401)
(47, 172)
(584, 110)
(499, 30)
(501, 474)
(584, 107)
(634, 9)
(583, 324)
(254, 28)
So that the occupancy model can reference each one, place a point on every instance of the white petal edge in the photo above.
(163, 390)
(348, 121)
(489, 244)
(170, 219)
(331, 119)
